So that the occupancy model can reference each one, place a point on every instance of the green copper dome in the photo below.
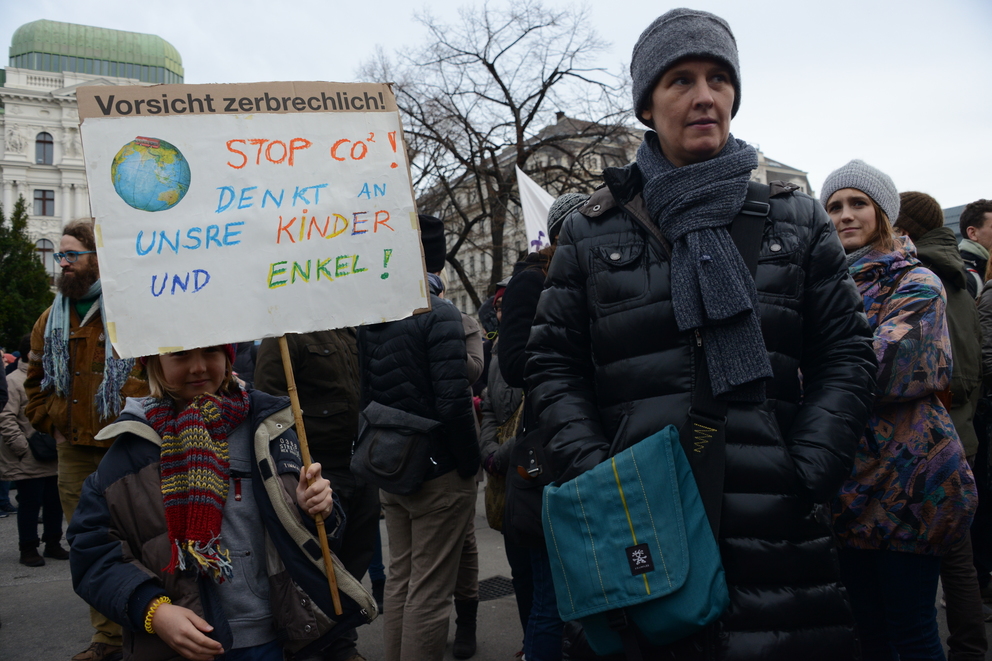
(53, 46)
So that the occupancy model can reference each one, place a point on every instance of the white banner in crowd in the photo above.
(535, 202)
(228, 213)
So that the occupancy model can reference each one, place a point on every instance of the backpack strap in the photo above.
(620, 621)
(748, 226)
(703, 435)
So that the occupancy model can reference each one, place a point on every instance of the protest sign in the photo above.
(233, 212)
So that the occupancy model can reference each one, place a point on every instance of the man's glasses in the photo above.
(70, 255)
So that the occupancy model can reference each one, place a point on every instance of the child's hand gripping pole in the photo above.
(294, 398)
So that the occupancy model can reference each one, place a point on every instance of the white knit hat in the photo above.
(869, 180)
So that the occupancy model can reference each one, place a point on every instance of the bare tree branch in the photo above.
(489, 92)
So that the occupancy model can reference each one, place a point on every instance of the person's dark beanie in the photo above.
(677, 35)
(919, 214)
(432, 238)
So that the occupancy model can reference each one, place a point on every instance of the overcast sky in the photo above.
(905, 85)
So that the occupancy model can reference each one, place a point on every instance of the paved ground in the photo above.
(42, 618)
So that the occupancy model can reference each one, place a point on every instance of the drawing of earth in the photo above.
(150, 174)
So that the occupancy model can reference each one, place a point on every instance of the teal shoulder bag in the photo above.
(630, 540)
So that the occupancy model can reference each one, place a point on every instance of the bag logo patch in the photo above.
(639, 559)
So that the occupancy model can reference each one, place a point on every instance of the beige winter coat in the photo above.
(16, 460)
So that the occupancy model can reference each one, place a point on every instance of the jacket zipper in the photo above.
(237, 488)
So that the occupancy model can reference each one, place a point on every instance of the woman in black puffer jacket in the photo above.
(624, 315)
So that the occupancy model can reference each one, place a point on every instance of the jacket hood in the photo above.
(938, 251)
(134, 408)
(875, 263)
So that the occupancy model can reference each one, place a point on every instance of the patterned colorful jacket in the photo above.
(911, 489)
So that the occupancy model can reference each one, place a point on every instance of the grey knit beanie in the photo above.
(560, 208)
(674, 36)
(873, 182)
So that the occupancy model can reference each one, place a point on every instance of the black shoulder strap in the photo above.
(703, 435)
(748, 226)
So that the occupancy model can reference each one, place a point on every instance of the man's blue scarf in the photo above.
(55, 360)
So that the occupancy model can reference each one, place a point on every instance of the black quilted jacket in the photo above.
(418, 365)
(609, 366)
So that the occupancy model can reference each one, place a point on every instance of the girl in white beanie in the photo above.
(911, 495)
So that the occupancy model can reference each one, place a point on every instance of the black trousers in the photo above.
(34, 495)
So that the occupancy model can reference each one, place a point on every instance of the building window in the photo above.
(44, 203)
(46, 253)
(43, 149)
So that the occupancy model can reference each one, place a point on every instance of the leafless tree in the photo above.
(502, 87)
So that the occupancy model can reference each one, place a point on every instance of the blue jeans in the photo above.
(893, 595)
(5, 494)
(542, 641)
(267, 652)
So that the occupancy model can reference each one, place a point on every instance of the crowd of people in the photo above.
(845, 344)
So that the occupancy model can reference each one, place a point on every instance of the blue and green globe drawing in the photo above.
(150, 174)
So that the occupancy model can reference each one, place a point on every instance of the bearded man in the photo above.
(76, 386)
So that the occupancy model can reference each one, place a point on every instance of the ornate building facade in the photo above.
(41, 156)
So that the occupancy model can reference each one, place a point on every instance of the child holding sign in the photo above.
(189, 533)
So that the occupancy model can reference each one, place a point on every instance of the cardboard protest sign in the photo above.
(228, 213)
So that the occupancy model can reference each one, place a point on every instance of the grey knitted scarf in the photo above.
(853, 257)
(712, 289)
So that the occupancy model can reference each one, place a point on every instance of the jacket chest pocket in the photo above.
(323, 349)
(779, 274)
(322, 408)
(618, 275)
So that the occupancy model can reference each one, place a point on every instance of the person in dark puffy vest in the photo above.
(418, 365)
(625, 311)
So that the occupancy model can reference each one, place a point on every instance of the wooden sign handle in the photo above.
(301, 434)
